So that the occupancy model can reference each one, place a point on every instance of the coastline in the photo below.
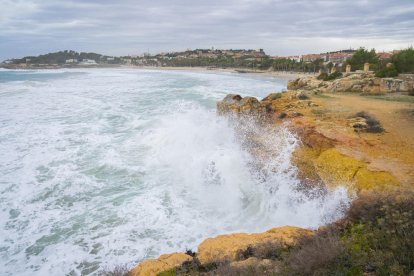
(268, 73)
(290, 75)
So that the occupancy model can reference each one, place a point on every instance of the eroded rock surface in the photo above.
(225, 247)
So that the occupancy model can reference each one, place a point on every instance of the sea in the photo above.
(102, 168)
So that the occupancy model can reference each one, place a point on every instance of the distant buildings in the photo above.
(88, 62)
(384, 55)
(295, 58)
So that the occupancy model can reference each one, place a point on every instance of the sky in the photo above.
(131, 27)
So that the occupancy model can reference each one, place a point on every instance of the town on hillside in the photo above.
(210, 58)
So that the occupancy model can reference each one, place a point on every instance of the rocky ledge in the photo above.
(223, 248)
(355, 82)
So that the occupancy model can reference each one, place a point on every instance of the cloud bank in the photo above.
(31, 27)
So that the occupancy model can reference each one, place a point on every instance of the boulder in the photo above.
(163, 263)
(235, 104)
(230, 103)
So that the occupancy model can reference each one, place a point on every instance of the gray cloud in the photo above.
(131, 27)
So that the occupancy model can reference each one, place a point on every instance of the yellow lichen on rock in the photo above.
(225, 247)
(366, 180)
(337, 169)
(163, 263)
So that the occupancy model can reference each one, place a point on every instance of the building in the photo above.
(338, 57)
(312, 57)
(384, 55)
(295, 58)
(71, 60)
(88, 62)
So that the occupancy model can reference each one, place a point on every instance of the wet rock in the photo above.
(248, 105)
(232, 99)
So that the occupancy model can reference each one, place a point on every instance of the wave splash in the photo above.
(98, 173)
(233, 176)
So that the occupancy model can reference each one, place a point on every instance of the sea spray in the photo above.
(107, 167)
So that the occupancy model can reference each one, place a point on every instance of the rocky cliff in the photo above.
(345, 140)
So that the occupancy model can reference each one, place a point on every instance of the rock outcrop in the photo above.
(354, 82)
(225, 247)
(333, 151)
(163, 263)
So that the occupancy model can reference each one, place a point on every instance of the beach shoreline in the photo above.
(268, 73)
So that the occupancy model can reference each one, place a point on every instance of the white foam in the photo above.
(114, 166)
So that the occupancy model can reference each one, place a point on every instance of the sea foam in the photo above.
(110, 167)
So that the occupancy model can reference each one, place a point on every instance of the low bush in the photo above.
(326, 77)
(376, 237)
(387, 72)
(373, 125)
(333, 76)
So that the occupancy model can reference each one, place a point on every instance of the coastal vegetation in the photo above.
(61, 57)
(404, 61)
(362, 56)
(387, 72)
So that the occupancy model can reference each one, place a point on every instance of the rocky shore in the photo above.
(364, 144)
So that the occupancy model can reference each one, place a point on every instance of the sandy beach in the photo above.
(282, 74)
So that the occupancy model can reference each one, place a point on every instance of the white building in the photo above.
(71, 60)
(88, 62)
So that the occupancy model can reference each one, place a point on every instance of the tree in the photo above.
(362, 56)
(404, 61)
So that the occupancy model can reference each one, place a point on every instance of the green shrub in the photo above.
(333, 76)
(326, 77)
(376, 237)
(362, 56)
(387, 72)
(404, 61)
(322, 76)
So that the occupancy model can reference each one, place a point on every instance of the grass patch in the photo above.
(322, 96)
(392, 98)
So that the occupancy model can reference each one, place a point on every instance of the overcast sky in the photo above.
(281, 27)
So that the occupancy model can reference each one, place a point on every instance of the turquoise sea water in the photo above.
(105, 167)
